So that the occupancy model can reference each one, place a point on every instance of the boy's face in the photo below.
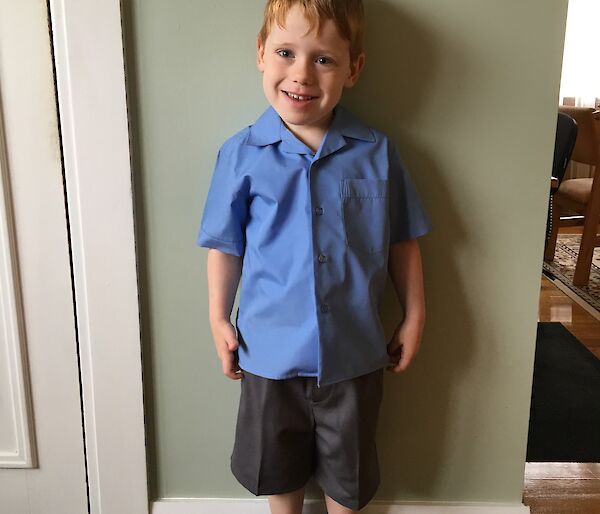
(316, 67)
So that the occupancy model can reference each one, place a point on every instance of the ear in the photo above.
(356, 67)
(260, 55)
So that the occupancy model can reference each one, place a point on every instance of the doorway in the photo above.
(570, 486)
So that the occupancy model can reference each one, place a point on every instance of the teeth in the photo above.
(298, 97)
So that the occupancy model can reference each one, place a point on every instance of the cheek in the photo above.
(274, 71)
(270, 83)
(335, 84)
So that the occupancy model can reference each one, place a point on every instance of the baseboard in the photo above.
(260, 506)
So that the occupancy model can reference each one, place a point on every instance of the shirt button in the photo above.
(322, 258)
(319, 210)
(324, 307)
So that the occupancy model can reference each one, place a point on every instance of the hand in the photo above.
(226, 344)
(404, 345)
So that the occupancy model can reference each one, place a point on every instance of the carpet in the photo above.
(563, 268)
(564, 422)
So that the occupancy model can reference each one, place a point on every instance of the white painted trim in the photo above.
(89, 62)
(260, 506)
(16, 419)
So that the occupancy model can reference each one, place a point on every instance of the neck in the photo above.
(311, 136)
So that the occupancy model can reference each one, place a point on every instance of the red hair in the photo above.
(348, 16)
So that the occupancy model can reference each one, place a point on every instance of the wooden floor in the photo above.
(564, 488)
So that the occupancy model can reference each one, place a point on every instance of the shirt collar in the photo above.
(270, 129)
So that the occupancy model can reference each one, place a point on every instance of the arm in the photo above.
(406, 271)
(224, 271)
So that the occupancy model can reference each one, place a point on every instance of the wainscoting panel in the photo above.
(16, 432)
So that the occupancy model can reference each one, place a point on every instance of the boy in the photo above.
(317, 209)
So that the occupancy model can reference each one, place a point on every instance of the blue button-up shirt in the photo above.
(314, 231)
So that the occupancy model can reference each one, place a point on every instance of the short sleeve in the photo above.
(408, 218)
(223, 223)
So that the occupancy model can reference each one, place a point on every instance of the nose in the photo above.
(302, 71)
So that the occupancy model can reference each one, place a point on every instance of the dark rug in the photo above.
(564, 422)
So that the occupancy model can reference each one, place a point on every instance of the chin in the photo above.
(294, 118)
(298, 120)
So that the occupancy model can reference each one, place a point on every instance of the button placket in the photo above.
(318, 210)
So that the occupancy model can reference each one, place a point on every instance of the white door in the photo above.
(42, 458)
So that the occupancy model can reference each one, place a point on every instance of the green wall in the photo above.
(468, 89)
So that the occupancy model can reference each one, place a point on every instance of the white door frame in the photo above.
(89, 63)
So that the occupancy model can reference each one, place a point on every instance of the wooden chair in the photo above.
(580, 195)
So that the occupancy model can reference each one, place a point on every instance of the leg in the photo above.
(586, 247)
(273, 453)
(334, 507)
(288, 503)
(347, 465)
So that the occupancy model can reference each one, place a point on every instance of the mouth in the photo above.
(298, 98)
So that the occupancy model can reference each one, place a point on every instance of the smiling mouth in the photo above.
(300, 98)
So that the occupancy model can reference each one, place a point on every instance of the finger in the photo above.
(404, 362)
(401, 365)
(232, 344)
(396, 353)
(394, 360)
(230, 336)
(231, 373)
(226, 365)
(230, 366)
(236, 366)
(395, 369)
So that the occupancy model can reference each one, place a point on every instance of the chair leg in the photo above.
(586, 251)
(551, 244)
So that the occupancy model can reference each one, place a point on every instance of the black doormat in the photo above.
(564, 421)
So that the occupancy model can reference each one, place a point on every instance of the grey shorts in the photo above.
(288, 430)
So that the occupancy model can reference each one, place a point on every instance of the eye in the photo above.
(284, 53)
(324, 60)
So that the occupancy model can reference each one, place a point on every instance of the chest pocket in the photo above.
(365, 213)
